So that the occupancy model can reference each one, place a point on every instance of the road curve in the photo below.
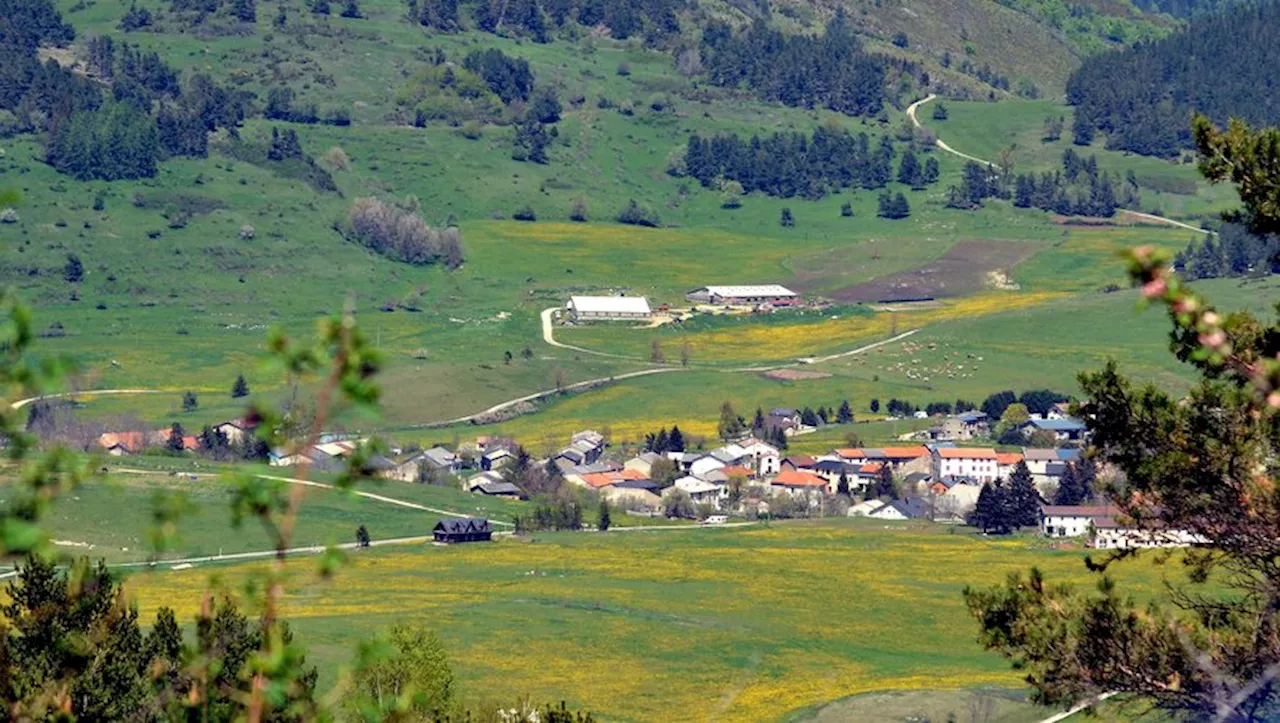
(93, 393)
(942, 146)
(548, 335)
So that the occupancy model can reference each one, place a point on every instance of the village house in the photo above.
(862, 508)
(1103, 525)
(1061, 410)
(466, 529)
(798, 462)
(577, 474)
(957, 502)
(643, 463)
(744, 295)
(916, 482)
(704, 464)
(1073, 520)
(121, 444)
(436, 461)
(496, 459)
(911, 508)
(784, 418)
(1063, 430)
(236, 430)
(503, 490)
(483, 478)
(609, 308)
(963, 427)
(798, 483)
(764, 458)
(1006, 462)
(901, 460)
(702, 491)
(633, 494)
(977, 463)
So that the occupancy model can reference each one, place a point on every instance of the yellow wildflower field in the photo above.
(697, 624)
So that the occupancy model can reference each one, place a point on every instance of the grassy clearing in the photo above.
(986, 129)
(733, 624)
(111, 519)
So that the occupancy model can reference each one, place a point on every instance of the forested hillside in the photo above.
(1183, 8)
(1142, 98)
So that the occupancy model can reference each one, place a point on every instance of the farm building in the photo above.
(739, 295)
(609, 308)
(466, 529)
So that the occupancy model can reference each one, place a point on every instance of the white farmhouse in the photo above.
(1074, 520)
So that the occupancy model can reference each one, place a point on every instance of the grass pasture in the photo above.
(112, 519)
(733, 624)
(985, 129)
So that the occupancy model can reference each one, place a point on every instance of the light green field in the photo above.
(985, 129)
(1040, 346)
(111, 519)
(735, 624)
(189, 309)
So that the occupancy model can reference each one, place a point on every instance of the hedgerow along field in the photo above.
(735, 624)
(187, 308)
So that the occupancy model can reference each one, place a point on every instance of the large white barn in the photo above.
(754, 294)
(609, 308)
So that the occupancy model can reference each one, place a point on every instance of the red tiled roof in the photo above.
(851, 453)
(130, 441)
(906, 452)
(798, 478)
(1008, 457)
(800, 461)
(871, 467)
(735, 469)
(597, 480)
(967, 453)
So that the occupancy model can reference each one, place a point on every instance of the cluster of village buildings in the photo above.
(938, 480)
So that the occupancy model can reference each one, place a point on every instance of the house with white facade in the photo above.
(976, 463)
(702, 491)
(1074, 520)
(763, 457)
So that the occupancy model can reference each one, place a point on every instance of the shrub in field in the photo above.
(401, 234)
(637, 215)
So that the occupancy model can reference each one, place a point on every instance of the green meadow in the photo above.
(188, 308)
(734, 624)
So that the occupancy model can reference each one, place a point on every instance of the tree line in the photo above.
(1078, 189)
(1142, 97)
(1235, 251)
(831, 70)
(146, 113)
(653, 20)
(789, 164)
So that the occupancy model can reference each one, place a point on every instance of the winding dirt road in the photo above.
(942, 146)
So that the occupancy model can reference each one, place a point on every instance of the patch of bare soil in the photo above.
(793, 375)
(966, 268)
